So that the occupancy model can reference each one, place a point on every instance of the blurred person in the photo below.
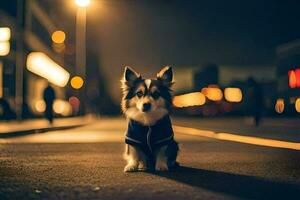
(49, 97)
(256, 100)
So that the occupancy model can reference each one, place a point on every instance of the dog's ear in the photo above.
(166, 76)
(130, 75)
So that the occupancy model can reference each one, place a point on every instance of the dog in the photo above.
(149, 138)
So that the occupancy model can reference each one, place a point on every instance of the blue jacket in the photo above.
(149, 138)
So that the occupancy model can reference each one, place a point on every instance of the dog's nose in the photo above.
(146, 107)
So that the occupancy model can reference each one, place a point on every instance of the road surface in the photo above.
(86, 163)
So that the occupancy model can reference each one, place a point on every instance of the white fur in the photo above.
(136, 159)
(157, 112)
(148, 83)
(148, 118)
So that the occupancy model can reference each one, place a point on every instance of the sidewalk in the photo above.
(16, 128)
(283, 129)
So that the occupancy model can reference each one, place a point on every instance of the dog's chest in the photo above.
(149, 136)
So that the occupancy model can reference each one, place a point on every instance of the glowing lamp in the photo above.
(212, 93)
(279, 106)
(58, 37)
(190, 99)
(77, 82)
(297, 105)
(4, 48)
(292, 79)
(62, 107)
(233, 94)
(5, 34)
(82, 3)
(40, 64)
(40, 106)
(297, 74)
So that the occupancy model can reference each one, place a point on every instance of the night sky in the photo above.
(149, 34)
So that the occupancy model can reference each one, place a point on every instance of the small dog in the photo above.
(149, 138)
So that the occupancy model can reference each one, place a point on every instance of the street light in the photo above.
(82, 3)
(81, 43)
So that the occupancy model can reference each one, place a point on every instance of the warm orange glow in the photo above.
(77, 82)
(213, 93)
(58, 37)
(4, 48)
(297, 74)
(40, 106)
(5, 34)
(190, 99)
(297, 105)
(62, 107)
(292, 79)
(279, 106)
(40, 64)
(82, 3)
(233, 95)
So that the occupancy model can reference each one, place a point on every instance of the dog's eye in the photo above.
(155, 95)
(139, 94)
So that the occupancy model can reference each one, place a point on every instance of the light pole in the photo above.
(81, 42)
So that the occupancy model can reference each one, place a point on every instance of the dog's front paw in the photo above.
(131, 168)
(161, 166)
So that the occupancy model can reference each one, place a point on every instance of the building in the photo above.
(31, 29)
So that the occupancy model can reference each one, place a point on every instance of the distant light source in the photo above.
(297, 105)
(213, 93)
(77, 82)
(40, 106)
(75, 103)
(297, 74)
(279, 106)
(5, 34)
(190, 99)
(82, 3)
(62, 107)
(4, 48)
(233, 94)
(58, 37)
(292, 79)
(40, 64)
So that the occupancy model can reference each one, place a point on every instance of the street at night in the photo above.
(140, 99)
(86, 163)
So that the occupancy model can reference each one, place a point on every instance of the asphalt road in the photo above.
(86, 163)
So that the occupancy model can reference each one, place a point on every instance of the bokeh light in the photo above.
(297, 105)
(40, 64)
(58, 37)
(190, 99)
(5, 34)
(62, 107)
(213, 93)
(4, 48)
(77, 82)
(40, 106)
(279, 106)
(82, 3)
(233, 95)
(292, 79)
(75, 103)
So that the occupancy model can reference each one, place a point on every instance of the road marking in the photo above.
(238, 138)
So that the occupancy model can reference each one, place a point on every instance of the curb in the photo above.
(39, 130)
(238, 138)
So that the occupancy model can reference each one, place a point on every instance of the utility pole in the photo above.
(19, 59)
